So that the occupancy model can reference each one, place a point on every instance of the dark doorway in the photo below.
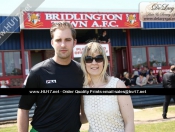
(121, 61)
(36, 57)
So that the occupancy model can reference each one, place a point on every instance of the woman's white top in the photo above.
(102, 111)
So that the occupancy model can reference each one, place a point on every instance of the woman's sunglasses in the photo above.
(98, 59)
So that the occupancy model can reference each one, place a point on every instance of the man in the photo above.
(168, 82)
(145, 72)
(54, 113)
(104, 37)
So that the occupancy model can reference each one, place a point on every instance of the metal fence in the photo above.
(8, 108)
(146, 100)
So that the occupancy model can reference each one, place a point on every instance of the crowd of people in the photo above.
(141, 77)
(146, 76)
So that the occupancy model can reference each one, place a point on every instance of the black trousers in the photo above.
(166, 103)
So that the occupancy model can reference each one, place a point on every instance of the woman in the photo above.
(141, 80)
(159, 76)
(134, 76)
(152, 78)
(126, 79)
(104, 113)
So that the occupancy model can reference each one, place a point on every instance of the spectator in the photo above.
(121, 76)
(146, 72)
(134, 77)
(168, 82)
(159, 76)
(104, 37)
(141, 80)
(140, 69)
(152, 78)
(126, 79)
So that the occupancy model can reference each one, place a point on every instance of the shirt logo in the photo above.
(50, 81)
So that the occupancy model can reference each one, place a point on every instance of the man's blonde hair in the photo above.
(62, 25)
(90, 49)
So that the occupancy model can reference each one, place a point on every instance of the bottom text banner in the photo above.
(86, 91)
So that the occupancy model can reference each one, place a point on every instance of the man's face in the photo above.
(104, 33)
(63, 43)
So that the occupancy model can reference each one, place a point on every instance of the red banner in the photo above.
(82, 20)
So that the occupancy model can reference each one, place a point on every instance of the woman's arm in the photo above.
(138, 81)
(145, 81)
(83, 118)
(126, 109)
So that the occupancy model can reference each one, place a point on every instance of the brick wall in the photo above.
(48, 54)
(16, 82)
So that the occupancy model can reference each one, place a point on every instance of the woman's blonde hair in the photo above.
(90, 49)
(125, 73)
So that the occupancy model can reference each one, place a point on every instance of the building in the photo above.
(133, 43)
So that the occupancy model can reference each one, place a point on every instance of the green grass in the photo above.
(156, 127)
(171, 109)
(151, 127)
(12, 128)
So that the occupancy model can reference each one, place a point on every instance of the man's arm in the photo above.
(26, 102)
(23, 120)
(109, 40)
(100, 40)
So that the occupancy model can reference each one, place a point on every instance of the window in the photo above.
(157, 56)
(171, 55)
(138, 57)
(1, 74)
(12, 63)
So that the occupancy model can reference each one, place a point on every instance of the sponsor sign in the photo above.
(50, 81)
(82, 20)
(78, 49)
(163, 70)
(157, 11)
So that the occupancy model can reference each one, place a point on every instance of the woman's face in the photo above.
(160, 71)
(94, 67)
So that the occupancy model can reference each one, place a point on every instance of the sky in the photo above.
(7, 7)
